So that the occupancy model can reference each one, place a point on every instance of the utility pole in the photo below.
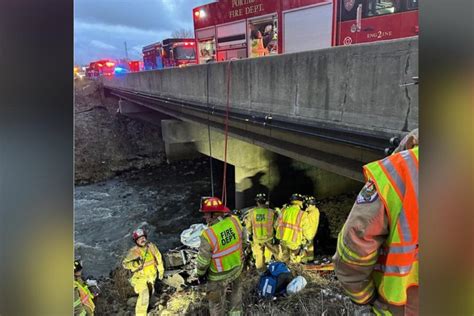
(126, 50)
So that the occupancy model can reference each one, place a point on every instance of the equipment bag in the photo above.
(274, 281)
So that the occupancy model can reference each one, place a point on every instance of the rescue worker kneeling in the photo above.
(83, 298)
(289, 230)
(259, 224)
(145, 262)
(220, 257)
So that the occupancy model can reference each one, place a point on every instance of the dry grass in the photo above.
(322, 296)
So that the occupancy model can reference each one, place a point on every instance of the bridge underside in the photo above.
(335, 109)
(334, 150)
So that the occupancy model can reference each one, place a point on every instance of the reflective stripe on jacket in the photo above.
(150, 262)
(396, 180)
(289, 225)
(85, 298)
(225, 238)
(262, 224)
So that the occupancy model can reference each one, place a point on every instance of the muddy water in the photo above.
(164, 200)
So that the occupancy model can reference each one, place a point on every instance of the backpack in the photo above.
(274, 281)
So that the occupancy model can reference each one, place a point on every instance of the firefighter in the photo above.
(377, 248)
(145, 262)
(310, 227)
(83, 298)
(220, 258)
(257, 48)
(259, 223)
(289, 230)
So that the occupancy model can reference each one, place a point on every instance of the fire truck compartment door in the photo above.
(231, 34)
(307, 29)
(206, 33)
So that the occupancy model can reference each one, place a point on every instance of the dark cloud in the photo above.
(102, 26)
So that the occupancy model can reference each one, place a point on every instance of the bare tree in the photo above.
(182, 33)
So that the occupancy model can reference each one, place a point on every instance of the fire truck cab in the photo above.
(99, 68)
(179, 52)
(172, 52)
(235, 29)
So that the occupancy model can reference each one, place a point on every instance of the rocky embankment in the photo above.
(107, 143)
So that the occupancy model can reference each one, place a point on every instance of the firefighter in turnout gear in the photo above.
(259, 224)
(220, 258)
(310, 228)
(145, 262)
(289, 230)
(377, 248)
(83, 298)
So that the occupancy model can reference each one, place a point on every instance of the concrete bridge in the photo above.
(330, 110)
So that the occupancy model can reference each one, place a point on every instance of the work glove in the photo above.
(138, 264)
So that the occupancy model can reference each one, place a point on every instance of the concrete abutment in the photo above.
(256, 169)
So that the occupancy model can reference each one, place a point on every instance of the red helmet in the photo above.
(138, 233)
(213, 204)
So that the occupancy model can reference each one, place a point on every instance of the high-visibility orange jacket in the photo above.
(377, 249)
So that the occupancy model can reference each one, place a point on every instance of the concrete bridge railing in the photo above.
(359, 87)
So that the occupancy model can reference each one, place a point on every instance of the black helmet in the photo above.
(310, 200)
(261, 198)
(296, 197)
(77, 266)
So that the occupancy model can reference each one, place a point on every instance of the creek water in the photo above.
(163, 200)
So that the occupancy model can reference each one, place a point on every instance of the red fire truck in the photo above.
(98, 68)
(172, 52)
(234, 29)
(135, 65)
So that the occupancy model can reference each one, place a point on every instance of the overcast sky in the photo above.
(102, 26)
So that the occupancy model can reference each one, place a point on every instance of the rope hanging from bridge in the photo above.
(209, 134)
(226, 132)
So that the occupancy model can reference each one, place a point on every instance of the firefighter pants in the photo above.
(288, 255)
(262, 253)
(144, 287)
(218, 298)
(308, 253)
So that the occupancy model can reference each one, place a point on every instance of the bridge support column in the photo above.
(179, 144)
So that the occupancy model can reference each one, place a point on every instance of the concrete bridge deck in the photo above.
(335, 109)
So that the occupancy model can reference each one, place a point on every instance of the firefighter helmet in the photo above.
(213, 204)
(77, 266)
(296, 197)
(310, 200)
(261, 198)
(137, 233)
